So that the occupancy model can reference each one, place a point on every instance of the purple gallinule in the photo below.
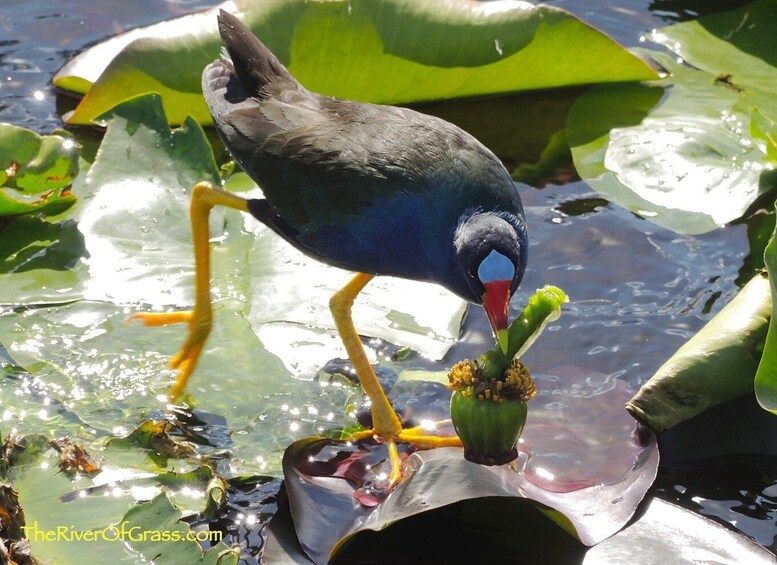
(378, 190)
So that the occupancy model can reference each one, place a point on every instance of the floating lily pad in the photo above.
(766, 376)
(496, 530)
(670, 534)
(35, 171)
(683, 154)
(715, 365)
(385, 51)
(165, 536)
(87, 517)
(580, 455)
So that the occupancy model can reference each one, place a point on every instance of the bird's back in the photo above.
(342, 179)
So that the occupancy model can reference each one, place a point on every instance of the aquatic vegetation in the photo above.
(72, 368)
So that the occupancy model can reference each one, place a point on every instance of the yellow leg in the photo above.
(385, 422)
(384, 419)
(204, 197)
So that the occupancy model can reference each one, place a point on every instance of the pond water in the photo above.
(637, 291)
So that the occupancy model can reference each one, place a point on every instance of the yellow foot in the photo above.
(186, 359)
(419, 437)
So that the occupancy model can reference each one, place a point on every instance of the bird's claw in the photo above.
(418, 437)
(185, 360)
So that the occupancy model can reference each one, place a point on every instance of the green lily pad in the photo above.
(35, 171)
(683, 154)
(717, 364)
(86, 517)
(384, 51)
(165, 538)
(764, 129)
(766, 376)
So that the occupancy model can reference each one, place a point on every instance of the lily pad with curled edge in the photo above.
(582, 459)
(35, 171)
(765, 383)
(383, 51)
(684, 156)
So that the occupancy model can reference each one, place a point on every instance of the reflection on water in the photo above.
(738, 491)
(637, 291)
(250, 505)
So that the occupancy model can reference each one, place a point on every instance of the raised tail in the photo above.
(253, 63)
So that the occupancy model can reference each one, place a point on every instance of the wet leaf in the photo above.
(154, 436)
(717, 364)
(21, 450)
(766, 376)
(580, 454)
(43, 493)
(35, 171)
(216, 496)
(164, 538)
(352, 49)
(69, 514)
(683, 154)
(764, 129)
(670, 534)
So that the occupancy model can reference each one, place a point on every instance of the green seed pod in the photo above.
(489, 429)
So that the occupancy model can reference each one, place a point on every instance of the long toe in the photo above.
(156, 319)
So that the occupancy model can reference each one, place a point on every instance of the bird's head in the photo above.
(491, 251)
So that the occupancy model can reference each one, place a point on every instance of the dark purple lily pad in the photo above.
(581, 456)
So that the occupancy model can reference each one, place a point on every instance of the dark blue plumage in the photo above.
(374, 189)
